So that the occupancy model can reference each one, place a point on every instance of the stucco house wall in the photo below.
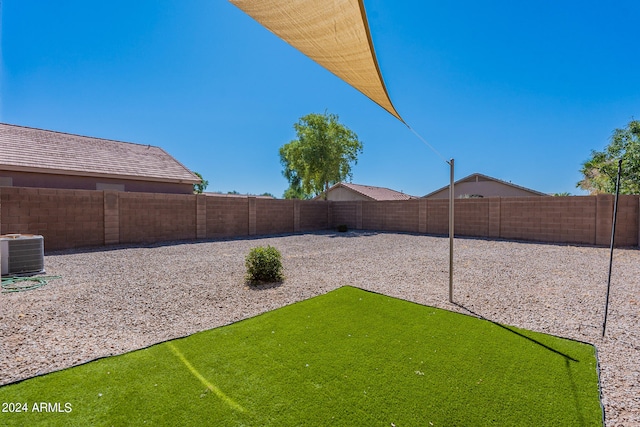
(342, 194)
(482, 185)
(41, 180)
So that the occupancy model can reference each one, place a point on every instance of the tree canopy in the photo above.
(601, 170)
(199, 188)
(322, 155)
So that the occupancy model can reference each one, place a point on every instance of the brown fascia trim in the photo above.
(30, 169)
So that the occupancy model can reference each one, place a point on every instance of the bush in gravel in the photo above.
(264, 265)
(342, 228)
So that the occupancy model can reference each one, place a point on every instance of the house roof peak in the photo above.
(46, 151)
(373, 192)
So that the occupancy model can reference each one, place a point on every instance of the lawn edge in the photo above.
(470, 314)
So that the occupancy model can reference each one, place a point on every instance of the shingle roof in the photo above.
(44, 151)
(375, 193)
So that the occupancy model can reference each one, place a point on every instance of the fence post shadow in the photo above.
(566, 356)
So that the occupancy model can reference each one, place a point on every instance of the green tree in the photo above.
(295, 189)
(295, 193)
(601, 170)
(321, 155)
(199, 188)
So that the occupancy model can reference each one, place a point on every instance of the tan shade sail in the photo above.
(334, 33)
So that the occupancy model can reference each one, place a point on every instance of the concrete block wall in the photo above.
(628, 226)
(274, 216)
(575, 219)
(438, 216)
(471, 217)
(227, 217)
(391, 215)
(494, 211)
(201, 216)
(312, 215)
(569, 220)
(373, 216)
(67, 218)
(346, 213)
(81, 218)
(403, 216)
(111, 218)
(149, 217)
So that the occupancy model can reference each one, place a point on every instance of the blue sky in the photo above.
(521, 91)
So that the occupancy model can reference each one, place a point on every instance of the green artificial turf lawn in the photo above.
(347, 358)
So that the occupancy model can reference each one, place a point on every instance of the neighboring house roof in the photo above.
(27, 149)
(478, 177)
(371, 192)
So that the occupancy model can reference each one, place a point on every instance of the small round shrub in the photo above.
(264, 265)
(342, 228)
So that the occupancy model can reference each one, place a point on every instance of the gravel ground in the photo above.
(113, 301)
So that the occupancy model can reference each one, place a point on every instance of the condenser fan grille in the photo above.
(22, 254)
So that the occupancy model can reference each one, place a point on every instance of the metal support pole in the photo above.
(613, 235)
(451, 198)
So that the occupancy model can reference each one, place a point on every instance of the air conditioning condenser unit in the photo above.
(21, 254)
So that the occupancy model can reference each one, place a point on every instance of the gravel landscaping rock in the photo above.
(114, 300)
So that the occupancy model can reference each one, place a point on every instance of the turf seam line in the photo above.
(229, 401)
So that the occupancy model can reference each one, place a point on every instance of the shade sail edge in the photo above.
(335, 36)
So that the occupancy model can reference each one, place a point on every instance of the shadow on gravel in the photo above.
(142, 245)
(148, 245)
(358, 233)
(327, 233)
(260, 286)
